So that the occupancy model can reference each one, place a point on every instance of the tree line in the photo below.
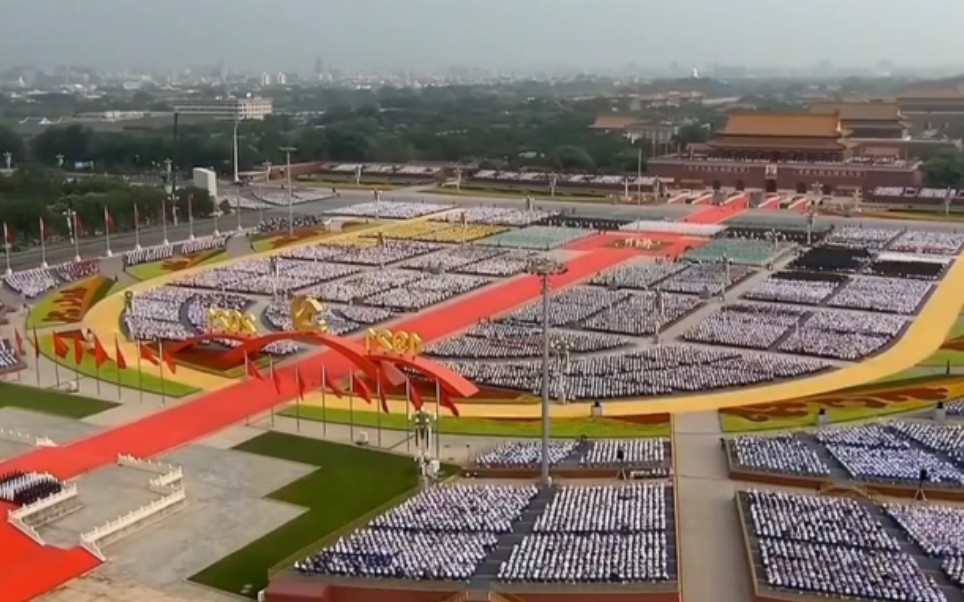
(30, 194)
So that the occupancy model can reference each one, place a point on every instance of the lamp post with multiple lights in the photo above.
(287, 150)
(545, 268)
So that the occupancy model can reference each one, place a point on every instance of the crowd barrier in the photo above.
(170, 480)
(18, 437)
(141, 464)
(108, 531)
(26, 529)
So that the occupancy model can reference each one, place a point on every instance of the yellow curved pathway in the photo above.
(924, 336)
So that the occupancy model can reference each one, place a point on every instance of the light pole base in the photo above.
(166, 242)
(137, 247)
(9, 271)
(110, 253)
(216, 233)
(191, 237)
(76, 258)
(45, 265)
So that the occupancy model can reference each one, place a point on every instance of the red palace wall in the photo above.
(702, 174)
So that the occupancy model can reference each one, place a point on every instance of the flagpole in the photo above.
(160, 370)
(76, 237)
(190, 216)
(107, 231)
(438, 404)
(247, 378)
(56, 374)
(164, 219)
(298, 403)
(324, 409)
(117, 352)
(96, 373)
(43, 246)
(408, 401)
(137, 229)
(381, 402)
(271, 409)
(6, 247)
(351, 406)
(36, 356)
(140, 375)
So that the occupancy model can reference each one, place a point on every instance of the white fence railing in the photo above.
(19, 437)
(142, 464)
(131, 518)
(171, 479)
(25, 529)
(93, 549)
(21, 513)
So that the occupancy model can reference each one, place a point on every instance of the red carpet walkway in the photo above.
(717, 214)
(38, 570)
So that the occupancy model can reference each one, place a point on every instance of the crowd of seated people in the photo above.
(204, 243)
(955, 407)
(503, 340)
(804, 288)
(938, 530)
(389, 209)
(706, 278)
(954, 569)
(843, 335)
(148, 254)
(300, 222)
(266, 276)
(34, 282)
(365, 284)
(419, 294)
(946, 439)
(928, 242)
(537, 237)
(641, 313)
(893, 295)
(745, 251)
(8, 355)
(623, 538)
(498, 216)
(753, 326)
(859, 237)
(22, 488)
(903, 265)
(570, 306)
(339, 321)
(391, 251)
(832, 547)
(639, 275)
(175, 313)
(502, 265)
(627, 452)
(781, 453)
(452, 259)
(659, 370)
(443, 533)
(460, 508)
(511, 454)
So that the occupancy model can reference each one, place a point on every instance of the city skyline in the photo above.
(519, 35)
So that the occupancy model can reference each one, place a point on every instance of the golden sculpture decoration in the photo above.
(230, 321)
(308, 315)
(387, 341)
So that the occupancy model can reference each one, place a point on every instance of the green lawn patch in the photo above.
(564, 428)
(350, 484)
(149, 381)
(731, 423)
(49, 401)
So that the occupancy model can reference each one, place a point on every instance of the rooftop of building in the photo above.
(860, 111)
(772, 124)
(936, 91)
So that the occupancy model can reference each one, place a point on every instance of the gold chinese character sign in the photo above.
(230, 321)
(387, 341)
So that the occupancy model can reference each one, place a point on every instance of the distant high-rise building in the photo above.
(265, 79)
(281, 79)
(319, 67)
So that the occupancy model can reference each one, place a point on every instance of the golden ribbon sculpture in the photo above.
(231, 321)
(403, 343)
(308, 315)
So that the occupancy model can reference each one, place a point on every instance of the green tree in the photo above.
(571, 158)
(945, 170)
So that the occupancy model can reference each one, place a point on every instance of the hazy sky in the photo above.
(505, 34)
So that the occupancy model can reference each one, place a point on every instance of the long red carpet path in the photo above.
(28, 570)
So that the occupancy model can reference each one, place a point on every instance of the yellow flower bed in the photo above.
(471, 232)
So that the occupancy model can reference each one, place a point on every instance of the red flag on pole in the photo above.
(19, 339)
(330, 384)
(169, 362)
(118, 356)
(276, 379)
(7, 234)
(78, 350)
(78, 227)
(36, 344)
(253, 371)
(60, 347)
(108, 220)
(382, 398)
(146, 353)
(100, 354)
(361, 388)
(446, 402)
(44, 232)
(417, 402)
(190, 206)
(137, 217)
(300, 383)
